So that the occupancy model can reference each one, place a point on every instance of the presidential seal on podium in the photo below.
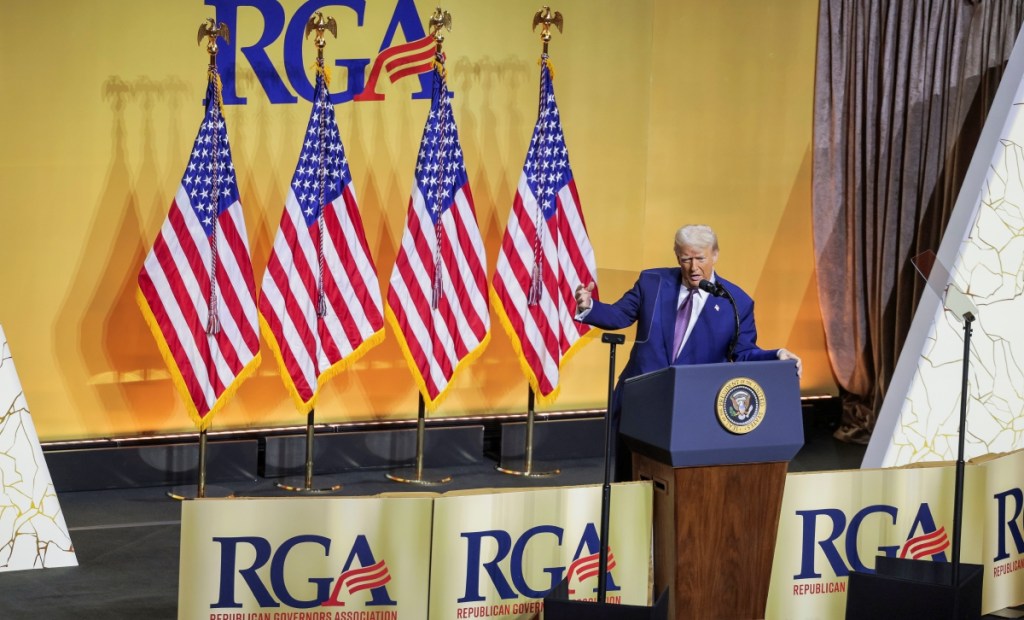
(740, 405)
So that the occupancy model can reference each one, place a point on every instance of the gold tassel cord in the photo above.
(545, 60)
(322, 70)
(214, 77)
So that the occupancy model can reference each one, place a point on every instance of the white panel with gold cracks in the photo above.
(32, 529)
(989, 267)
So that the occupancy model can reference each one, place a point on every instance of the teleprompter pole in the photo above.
(606, 489)
(958, 496)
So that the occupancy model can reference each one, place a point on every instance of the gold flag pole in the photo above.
(320, 24)
(544, 18)
(440, 19)
(211, 31)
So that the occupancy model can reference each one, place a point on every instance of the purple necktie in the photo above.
(682, 322)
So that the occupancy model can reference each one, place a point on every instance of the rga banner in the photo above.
(497, 555)
(305, 559)
(1003, 497)
(833, 523)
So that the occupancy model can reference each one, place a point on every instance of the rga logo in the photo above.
(829, 530)
(361, 572)
(1009, 506)
(276, 23)
(503, 568)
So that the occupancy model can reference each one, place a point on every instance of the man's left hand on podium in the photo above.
(786, 354)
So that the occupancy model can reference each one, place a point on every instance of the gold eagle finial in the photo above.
(440, 19)
(548, 18)
(320, 23)
(210, 30)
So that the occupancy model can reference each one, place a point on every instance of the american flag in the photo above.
(545, 254)
(437, 301)
(320, 301)
(208, 336)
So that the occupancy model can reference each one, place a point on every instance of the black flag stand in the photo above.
(201, 490)
(527, 470)
(305, 487)
(416, 476)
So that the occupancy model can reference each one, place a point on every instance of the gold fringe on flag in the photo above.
(202, 422)
(524, 365)
(430, 404)
(342, 365)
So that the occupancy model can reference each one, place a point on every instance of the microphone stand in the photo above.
(718, 290)
(557, 605)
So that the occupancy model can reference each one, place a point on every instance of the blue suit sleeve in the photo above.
(746, 346)
(618, 315)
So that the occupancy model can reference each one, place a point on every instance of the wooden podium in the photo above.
(717, 492)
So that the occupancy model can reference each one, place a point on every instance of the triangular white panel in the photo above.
(983, 251)
(32, 529)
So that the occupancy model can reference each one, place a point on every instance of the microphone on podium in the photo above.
(713, 288)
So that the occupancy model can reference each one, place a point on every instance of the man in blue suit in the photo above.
(677, 321)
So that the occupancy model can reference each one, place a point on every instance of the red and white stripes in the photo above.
(437, 340)
(312, 349)
(543, 333)
(174, 288)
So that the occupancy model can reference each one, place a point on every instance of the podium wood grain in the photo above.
(714, 536)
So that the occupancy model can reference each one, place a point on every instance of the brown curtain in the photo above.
(902, 89)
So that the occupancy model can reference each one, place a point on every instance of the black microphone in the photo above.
(712, 288)
(718, 290)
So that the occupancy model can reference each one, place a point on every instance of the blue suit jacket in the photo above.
(651, 304)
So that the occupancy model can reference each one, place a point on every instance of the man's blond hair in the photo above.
(696, 235)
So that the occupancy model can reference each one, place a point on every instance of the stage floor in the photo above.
(126, 540)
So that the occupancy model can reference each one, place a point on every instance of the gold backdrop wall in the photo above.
(673, 112)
